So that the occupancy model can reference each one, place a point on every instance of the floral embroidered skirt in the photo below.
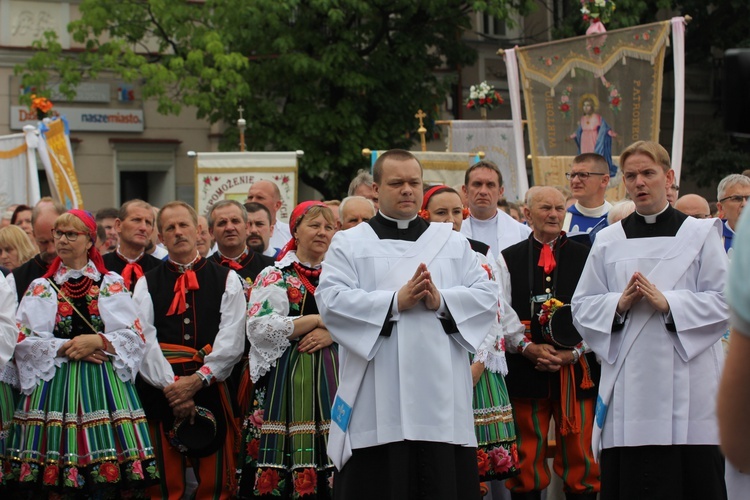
(83, 433)
(7, 399)
(497, 455)
(285, 433)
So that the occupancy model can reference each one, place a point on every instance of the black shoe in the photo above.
(531, 495)
(580, 496)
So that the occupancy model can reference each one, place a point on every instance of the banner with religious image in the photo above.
(56, 154)
(597, 93)
(228, 176)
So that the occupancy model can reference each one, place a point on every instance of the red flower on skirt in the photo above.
(110, 472)
(253, 448)
(51, 474)
(305, 482)
(267, 481)
(483, 462)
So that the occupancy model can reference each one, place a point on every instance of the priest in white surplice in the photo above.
(405, 301)
(650, 304)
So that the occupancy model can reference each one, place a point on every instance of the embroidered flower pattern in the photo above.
(268, 481)
(41, 291)
(65, 312)
(305, 482)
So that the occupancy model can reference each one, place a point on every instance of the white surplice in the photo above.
(509, 232)
(416, 383)
(657, 387)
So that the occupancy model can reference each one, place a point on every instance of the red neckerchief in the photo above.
(547, 259)
(187, 281)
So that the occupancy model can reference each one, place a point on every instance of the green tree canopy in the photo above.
(326, 76)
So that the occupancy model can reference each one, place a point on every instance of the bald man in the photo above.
(267, 194)
(354, 210)
(693, 205)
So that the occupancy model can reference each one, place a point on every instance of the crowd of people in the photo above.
(406, 342)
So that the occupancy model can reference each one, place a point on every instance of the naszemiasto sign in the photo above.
(84, 119)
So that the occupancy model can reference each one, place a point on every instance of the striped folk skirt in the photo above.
(83, 433)
(7, 399)
(497, 455)
(285, 433)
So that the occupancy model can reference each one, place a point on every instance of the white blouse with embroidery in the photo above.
(36, 353)
(269, 324)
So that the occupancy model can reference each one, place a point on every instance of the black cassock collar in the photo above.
(667, 224)
(388, 229)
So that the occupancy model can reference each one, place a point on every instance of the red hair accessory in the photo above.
(93, 253)
(424, 213)
(297, 214)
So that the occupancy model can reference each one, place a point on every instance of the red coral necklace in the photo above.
(305, 274)
(78, 290)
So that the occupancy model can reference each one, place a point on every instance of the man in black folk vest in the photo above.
(134, 225)
(545, 380)
(227, 223)
(194, 322)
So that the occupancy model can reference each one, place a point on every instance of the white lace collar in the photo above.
(64, 273)
(290, 258)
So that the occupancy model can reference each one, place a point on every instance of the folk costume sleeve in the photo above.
(268, 322)
(491, 353)
(36, 352)
(229, 344)
(155, 368)
(122, 328)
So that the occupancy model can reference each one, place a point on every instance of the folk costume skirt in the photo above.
(497, 456)
(82, 434)
(7, 403)
(285, 433)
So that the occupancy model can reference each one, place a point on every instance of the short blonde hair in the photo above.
(653, 150)
(16, 238)
(68, 219)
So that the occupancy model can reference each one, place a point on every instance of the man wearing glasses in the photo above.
(588, 178)
(732, 193)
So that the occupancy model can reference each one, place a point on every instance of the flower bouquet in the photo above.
(483, 96)
(41, 105)
(597, 10)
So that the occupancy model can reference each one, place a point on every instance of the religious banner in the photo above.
(495, 139)
(438, 167)
(15, 172)
(228, 176)
(56, 154)
(597, 93)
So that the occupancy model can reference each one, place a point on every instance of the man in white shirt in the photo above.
(483, 187)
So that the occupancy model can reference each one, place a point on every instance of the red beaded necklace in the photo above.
(78, 290)
(305, 274)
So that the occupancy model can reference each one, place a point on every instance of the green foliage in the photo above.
(712, 155)
(326, 76)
